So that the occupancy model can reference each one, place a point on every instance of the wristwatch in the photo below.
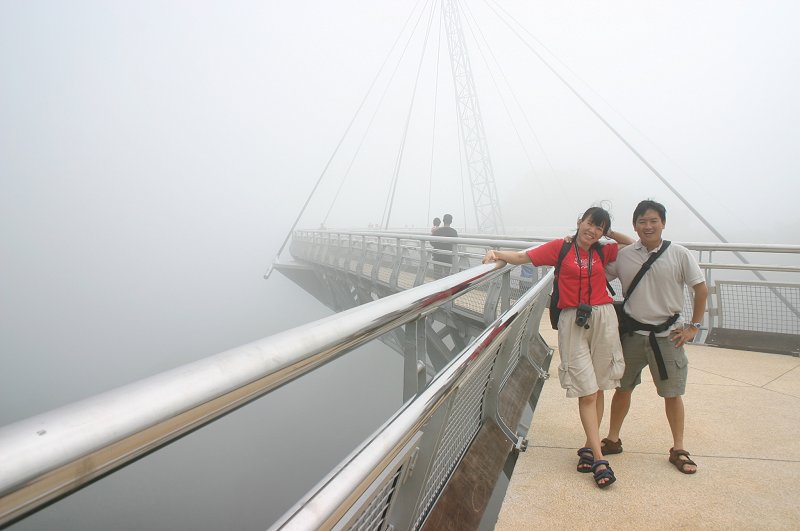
(697, 325)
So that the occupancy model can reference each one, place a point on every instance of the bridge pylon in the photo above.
(473, 134)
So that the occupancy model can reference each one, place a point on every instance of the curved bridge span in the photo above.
(474, 366)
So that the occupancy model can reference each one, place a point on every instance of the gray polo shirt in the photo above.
(659, 293)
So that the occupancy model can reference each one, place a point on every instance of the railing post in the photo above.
(422, 267)
(505, 292)
(398, 260)
(378, 259)
(414, 356)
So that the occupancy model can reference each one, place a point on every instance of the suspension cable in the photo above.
(371, 120)
(633, 150)
(476, 26)
(339, 144)
(435, 107)
(461, 157)
(399, 160)
(607, 124)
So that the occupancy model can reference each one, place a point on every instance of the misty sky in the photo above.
(153, 154)
(159, 122)
(160, 151)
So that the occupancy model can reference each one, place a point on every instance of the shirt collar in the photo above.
(639, 246)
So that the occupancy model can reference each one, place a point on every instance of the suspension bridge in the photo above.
(479, 408)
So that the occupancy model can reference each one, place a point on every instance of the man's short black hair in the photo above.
(649, 204)
(448, 219)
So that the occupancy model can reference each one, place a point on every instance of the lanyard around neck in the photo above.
(580, 271)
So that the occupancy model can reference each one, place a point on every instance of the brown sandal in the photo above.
(680, 458)
(611, 447)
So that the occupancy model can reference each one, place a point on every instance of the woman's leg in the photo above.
(601, 397)
(587, 408)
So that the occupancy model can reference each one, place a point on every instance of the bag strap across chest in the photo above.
(646, 267)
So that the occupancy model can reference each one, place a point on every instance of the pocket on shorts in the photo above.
(682, 361)
(617, 366)
(564, 377)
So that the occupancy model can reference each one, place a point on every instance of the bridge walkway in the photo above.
(742, 428)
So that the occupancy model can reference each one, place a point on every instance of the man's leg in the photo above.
(634, 350)
(620, 405)
(675, 416)
(672, 390)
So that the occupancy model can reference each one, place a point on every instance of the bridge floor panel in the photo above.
(748, 462)
(466, 496)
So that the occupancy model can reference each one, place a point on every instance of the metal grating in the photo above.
(374, 514)
(462, 427)
(515, 353)
(759, 306)
(473, 300)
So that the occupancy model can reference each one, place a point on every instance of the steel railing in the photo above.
(50, 455)
(394, 478)
(400, 259)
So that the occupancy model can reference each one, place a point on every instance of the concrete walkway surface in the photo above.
(742, 429)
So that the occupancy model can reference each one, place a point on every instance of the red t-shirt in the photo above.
(569, 275)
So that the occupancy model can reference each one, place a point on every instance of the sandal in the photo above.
(680, 458)
(606, 473)
(611, 447)
(586, 460)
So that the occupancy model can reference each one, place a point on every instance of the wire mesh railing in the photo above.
(740, 295)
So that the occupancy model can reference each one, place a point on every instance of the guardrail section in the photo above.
(54, 454)
(394, 479)
(745, 308)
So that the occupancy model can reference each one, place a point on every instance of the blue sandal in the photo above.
(586, 460)
(606, 473)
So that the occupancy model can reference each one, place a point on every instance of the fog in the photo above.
(153, 156)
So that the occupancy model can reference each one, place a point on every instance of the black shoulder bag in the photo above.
(628, 325)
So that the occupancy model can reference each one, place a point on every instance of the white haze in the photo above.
(153, 156)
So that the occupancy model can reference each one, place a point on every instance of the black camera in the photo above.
(582, 315)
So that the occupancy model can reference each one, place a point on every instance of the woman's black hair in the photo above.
(598, 216)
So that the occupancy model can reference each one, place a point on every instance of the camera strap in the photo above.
(580, 271)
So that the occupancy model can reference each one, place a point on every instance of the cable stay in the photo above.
(399, 160)
(435, 107)
(473, 149)
(473, 25)
(638, 155)
(371, 120)
(608, 125)
(339, 144)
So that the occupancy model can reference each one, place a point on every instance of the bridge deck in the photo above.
(742, 428)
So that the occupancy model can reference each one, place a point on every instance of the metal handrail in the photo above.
(466, 248)
(49, 455)
(518, 242)
(332, 497)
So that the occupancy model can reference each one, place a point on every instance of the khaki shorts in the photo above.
(638, 354)
(591, 359)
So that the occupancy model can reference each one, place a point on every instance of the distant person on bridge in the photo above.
(442, 262)
(436, 223)
(588, 338)
(658, 334)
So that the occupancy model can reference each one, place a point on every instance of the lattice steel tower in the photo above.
(473, 135)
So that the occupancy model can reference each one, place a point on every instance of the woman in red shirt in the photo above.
(588, 340)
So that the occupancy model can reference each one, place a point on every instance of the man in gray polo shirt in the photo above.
(657, 297)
